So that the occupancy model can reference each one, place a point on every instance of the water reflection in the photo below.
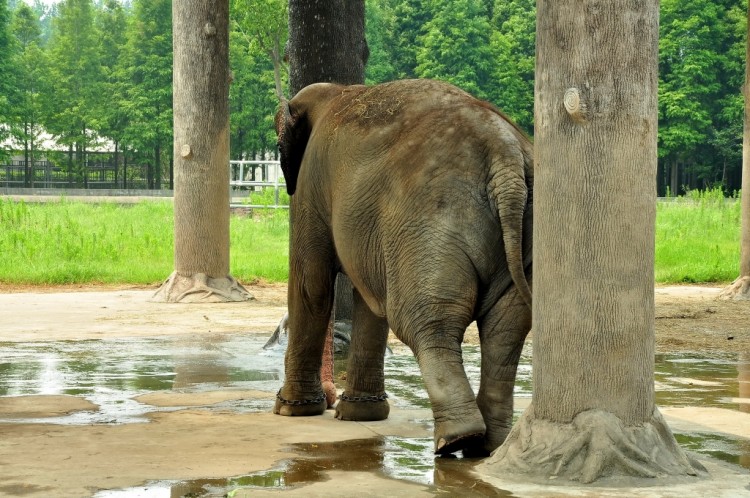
(409, 459)
(690, 380)
(111, 373)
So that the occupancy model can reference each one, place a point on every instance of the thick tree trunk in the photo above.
(327, 44)
(201, 144)
(593, 410)
(740, 288)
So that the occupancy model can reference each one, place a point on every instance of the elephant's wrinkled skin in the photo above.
(421, 194)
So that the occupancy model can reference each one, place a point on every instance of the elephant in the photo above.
(422, 195)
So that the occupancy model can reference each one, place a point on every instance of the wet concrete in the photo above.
(120, 380)
(181, 382)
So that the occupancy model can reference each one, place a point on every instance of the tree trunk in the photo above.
(327, 44)
(125, 169)
(201, 144)
(593, 411)
(117, 162)
(740, 288)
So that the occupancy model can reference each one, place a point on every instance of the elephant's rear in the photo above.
(441, 177)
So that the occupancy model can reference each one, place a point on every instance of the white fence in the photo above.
(248, 177)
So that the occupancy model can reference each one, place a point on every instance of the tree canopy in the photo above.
(94, 70)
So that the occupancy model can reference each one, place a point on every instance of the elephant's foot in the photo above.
(307, 407)
(458, 434)
(363, 408)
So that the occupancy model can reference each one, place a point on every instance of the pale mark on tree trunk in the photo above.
(575, 105)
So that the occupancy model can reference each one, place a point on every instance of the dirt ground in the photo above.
(688, 317)
(199, 442)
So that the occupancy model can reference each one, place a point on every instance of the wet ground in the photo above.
(108, 395)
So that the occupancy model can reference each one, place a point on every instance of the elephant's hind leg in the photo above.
(364, 398)
(433, 327)
(311, 283)
(502, 333)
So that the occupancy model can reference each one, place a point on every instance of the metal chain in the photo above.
(373, 398)
(300, 402)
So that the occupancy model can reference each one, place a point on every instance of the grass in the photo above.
(75, 242)
(70, 242)
(698, 238)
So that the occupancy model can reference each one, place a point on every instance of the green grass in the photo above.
(70, 242)
(75, 242)
(697, 238)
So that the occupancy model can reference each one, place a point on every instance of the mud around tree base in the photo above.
(739, 290)
(594, 445)
(200, 288)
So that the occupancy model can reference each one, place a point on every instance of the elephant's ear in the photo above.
(293, 131)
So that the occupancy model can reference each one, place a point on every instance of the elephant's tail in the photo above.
(511, 189)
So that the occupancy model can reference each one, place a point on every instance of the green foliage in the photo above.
(455, 45)
(147, 67)
(701, 70)
(512, 44)
(32, 69)
(267, 197)
(7, 83)
(76, 72)
(379, 24)
(104, 69)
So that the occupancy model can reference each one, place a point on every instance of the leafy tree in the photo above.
(31, 66)
(512, 46)
(148, 104)
(693, 43)
(410, 20)
(455, 46)
(7, 85)
(379, 26)
(111, 23)
(253, 100)
(258, 33)
(76, 71)
(263, 26)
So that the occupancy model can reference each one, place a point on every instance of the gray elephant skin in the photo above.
(422, 195)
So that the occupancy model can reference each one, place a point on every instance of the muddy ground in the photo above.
(200, 441)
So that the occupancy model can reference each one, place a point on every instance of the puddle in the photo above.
(111, 373)
(688, 380)
(409, 459)
(406, 389)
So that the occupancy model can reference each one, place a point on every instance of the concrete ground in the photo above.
(209, 441)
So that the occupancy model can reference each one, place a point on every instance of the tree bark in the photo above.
(327, 44)
(740, 288)
(593, 411)
(201, 145)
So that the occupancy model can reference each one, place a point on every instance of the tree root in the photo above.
(595, 444)
(739, 290)
(200, 288)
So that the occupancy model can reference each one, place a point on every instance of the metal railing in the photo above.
(249, 177)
